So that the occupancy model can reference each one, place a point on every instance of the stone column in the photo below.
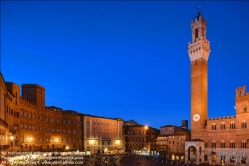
(186, 156)
(197, 156)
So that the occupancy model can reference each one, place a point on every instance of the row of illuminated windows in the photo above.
(102, 143)
(49, 140)
(177, 137)
(101, 123)
(48, 129)
(48, 146)
(136, 132)
(102, 136)
(103, 129)
(223, 144)
(173, 142)
(232, 126)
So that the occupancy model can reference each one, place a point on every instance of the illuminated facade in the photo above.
(33, 126)
(139, 138)
(170, 143)
(5, 135)
(102, 135)
(26, 124)
(221, 140)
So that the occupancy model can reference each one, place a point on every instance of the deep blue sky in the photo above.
(124, 59)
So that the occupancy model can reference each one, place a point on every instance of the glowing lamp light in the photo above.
(11, 138)
(91, 142)
(67, 147)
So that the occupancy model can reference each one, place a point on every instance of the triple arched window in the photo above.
(232, 125)
(223, 126)
(232, 144)
(243, 144)
(213, 144)
(222, 144)
(243, 124)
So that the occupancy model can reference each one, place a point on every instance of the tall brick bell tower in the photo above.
(198, 52)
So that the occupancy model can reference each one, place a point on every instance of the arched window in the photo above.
(232, 144)
(222, 126)
(245, 109)
(243, 144)
(213, 126)
(243, 124)
(232, 125)
(206, 144)
(222, 144)
(213, 144)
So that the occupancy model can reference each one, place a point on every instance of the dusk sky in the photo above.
(124, 59)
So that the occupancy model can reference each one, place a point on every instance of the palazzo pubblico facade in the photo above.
(221, 140)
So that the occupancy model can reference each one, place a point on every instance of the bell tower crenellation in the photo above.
(200, 46)
(198, 51)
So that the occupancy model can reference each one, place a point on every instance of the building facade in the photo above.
(27, 124)
(139, 139)
(33, 126)
(221, 140)
(102, 135)
(5, 129)
(170, 143)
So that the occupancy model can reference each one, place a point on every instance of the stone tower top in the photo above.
(198, 17)
(200, 46)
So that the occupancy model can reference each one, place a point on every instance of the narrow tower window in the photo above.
(196, 34)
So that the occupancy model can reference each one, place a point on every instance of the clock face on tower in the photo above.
(196, 117)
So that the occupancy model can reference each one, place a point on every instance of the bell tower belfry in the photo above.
(198, 51)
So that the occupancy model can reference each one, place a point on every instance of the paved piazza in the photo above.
(77, 159)
(130, 160)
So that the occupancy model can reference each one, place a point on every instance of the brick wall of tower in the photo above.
(199, 92)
